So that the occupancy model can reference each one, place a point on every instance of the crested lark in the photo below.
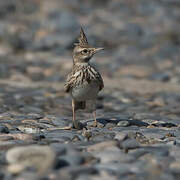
(84, 82)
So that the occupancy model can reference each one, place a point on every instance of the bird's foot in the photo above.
(95, 124)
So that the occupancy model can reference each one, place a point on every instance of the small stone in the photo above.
(101, 146)
(118, 168)
(138, 123)
(75, 171)
(30, 156)
(159, 151)
(21, 136)
(123, 123)
(29, 129)
(5, 138)
(110, 125)
(121, 136)
(130, 144)
(4, 145)
(175, 166)
(4, 129)
(15, 168)
(87, 133)
(72, 160)
(103, 175)
(115, 156)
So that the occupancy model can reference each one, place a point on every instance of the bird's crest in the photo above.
(82, 39)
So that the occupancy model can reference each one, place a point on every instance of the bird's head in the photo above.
(83, 52)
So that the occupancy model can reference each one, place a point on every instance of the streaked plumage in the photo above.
(84, 82)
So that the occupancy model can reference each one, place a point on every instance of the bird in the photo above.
(84, 82)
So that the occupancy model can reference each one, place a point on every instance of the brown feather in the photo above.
(86, 74)
(82, 39)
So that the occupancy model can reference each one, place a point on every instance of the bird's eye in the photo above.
(85, 51)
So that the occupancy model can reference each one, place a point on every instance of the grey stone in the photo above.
(109, 156)
(20, 158)
(130, 144)
(123, 123)
(75, 171)
(121, 136)
(4, 129)
(72, 160)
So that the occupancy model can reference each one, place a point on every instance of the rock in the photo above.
(60, 149)
(123, 123)
(158, 151)
(30, 156)
(3, 158)
(15, 168)
(109, 156)
(138, 153)
(5, 138)
(175, 166)
(60, 135)
(102, 175)
(110, 125)
(76, 171)
(102, 146)
(118, 168)
(4, 129)
(29, 175)
(30, 129)
(9, 144)
(102, 136)
(121, 136)
(130, 144)
(87, 133)
(2, 175)
(21, 136)
(138, 123)
(71, 160)
(29, 109)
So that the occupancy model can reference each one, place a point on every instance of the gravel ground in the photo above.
(138, 111)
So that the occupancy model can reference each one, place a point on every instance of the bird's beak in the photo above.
(97, 50)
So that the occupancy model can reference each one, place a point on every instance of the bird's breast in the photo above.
(85, 91)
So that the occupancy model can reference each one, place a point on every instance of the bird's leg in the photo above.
(95, 121)
(75, 123)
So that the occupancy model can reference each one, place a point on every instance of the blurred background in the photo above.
(141, 40)
(137, 111)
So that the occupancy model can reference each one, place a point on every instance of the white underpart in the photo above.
(85, 92)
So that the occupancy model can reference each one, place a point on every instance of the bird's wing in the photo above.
(69, 82)
(73, 78)
(97, 77)
(101, 86)
(100, 80)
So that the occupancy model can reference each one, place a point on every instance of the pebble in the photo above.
(75, 171)
(115, 156)
(121, 136)
(30, 156)
(123, 123)
(72, 160)
(130, 144)
(102, 146)
(175, 166)
(4, 129)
